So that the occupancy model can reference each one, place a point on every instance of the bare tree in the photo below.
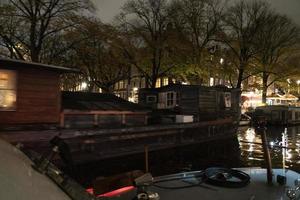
(277, 41)
(37, 21)
(101, 61)
(9, 26)
(242, 23)
(146, 23)
(196, 22)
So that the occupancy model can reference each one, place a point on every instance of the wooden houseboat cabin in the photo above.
(29, 93)
(203, 103)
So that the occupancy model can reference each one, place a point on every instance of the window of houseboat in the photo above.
(7, 90)
(227, 99)
(151, 99)
(171, 99)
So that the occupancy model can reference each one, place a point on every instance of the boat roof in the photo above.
(256, 189)
(13, 63)
(277, 107)
(19, 180)
(283, 97)
(88, 101)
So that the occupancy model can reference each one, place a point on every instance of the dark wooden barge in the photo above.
(88, 145)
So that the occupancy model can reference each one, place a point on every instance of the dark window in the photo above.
(151, 99)
(291, 115)
(171, 98)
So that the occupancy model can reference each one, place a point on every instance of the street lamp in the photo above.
(221, 61)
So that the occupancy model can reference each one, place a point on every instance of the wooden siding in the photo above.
(207, 100)
(189, 100)
(38, 98)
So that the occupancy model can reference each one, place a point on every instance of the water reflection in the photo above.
(284, 143)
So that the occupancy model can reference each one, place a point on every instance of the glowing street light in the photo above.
(298, 83)
(83, 85)
(221, 61)
(135, 89)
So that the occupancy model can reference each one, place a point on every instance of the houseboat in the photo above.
(96, 126)
(278, 114)
(200, 102)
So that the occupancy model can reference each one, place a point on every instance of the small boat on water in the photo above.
(278, 114)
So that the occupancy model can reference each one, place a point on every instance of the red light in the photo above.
(112, 193)
(90, 191)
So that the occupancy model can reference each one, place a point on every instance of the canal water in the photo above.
(245, 150)
(284, 143)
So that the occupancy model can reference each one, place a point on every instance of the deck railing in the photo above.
(97, 114)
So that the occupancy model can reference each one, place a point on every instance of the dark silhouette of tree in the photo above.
(276, 42)
(34, 21)
(196, 22)
(145, 23)
(97, 54)
(242, 23)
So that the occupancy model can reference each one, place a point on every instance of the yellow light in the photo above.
(135, 89)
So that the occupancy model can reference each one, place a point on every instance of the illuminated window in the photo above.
(7, 90)
(157, 84)
(211, 81)
(121, 85)
(165, 81)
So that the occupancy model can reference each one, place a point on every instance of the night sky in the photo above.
(107, 9)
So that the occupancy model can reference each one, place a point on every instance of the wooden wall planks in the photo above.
(38, 98)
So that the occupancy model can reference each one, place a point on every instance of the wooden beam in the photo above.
(62, 120)
(123, 119)
(95, 120)
(69, 112)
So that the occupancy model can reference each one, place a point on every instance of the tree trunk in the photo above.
(155, 67)
(107, 90)
(34, 54)
(265, 77)
(240, 77)
(153, 81)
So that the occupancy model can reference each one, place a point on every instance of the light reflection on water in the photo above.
(284, 147)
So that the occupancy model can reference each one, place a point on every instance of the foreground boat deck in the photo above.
(258, 189)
